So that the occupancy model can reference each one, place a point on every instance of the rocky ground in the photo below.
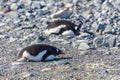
(88, 56)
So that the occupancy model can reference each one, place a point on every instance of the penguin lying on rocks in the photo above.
(62, 27)
(38, 52)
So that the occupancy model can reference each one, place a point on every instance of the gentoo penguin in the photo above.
(61, 27)
(38, 52)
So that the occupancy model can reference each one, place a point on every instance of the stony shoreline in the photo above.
(88, 57)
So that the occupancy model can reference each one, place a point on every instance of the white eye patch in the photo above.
(57, 50)
(76, 27)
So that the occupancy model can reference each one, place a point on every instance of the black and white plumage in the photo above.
(38, 52)
(62, 27)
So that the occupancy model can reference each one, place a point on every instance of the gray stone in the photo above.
(15, 64)
(28, 14)
(83, 46)
(12, 39)
(21, 5)
(97, 14)
(85, 35)
(110, 1)
(109, 30)
(68, 5)
(46, 69)
(41, 38)
(14, 1)
(42, 4)
(2, 36)
(36, 4)
(104, 41)
(16, 21)
(2, 24)
(98, 41)
(12, 14)
(49, 1)
(118, 41)
(65, 14)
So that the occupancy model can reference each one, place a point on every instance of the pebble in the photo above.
(12, 14)
(86, 13)
(12, 39)
(45, 69)
(17, 63)
(27, 74)
(2, 24)
(85, 35)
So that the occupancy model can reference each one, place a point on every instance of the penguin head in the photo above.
(58, 51)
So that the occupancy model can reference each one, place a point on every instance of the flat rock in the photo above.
(86, 13)
(105, 41)
(109, 30)
(63, 14)
(83, 46)
(12, 14)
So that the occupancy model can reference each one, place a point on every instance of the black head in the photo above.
(57, 51)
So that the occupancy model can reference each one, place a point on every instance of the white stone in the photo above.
(46, 69)
(26, 74)
(17, 63)
(2, 24)
(13, 6)
(12, 39)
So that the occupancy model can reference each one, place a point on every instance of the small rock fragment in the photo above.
(27, 74)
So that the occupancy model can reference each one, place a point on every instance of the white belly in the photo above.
(36, 58)
(69, 32)
(50, 57)
(54, 30)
